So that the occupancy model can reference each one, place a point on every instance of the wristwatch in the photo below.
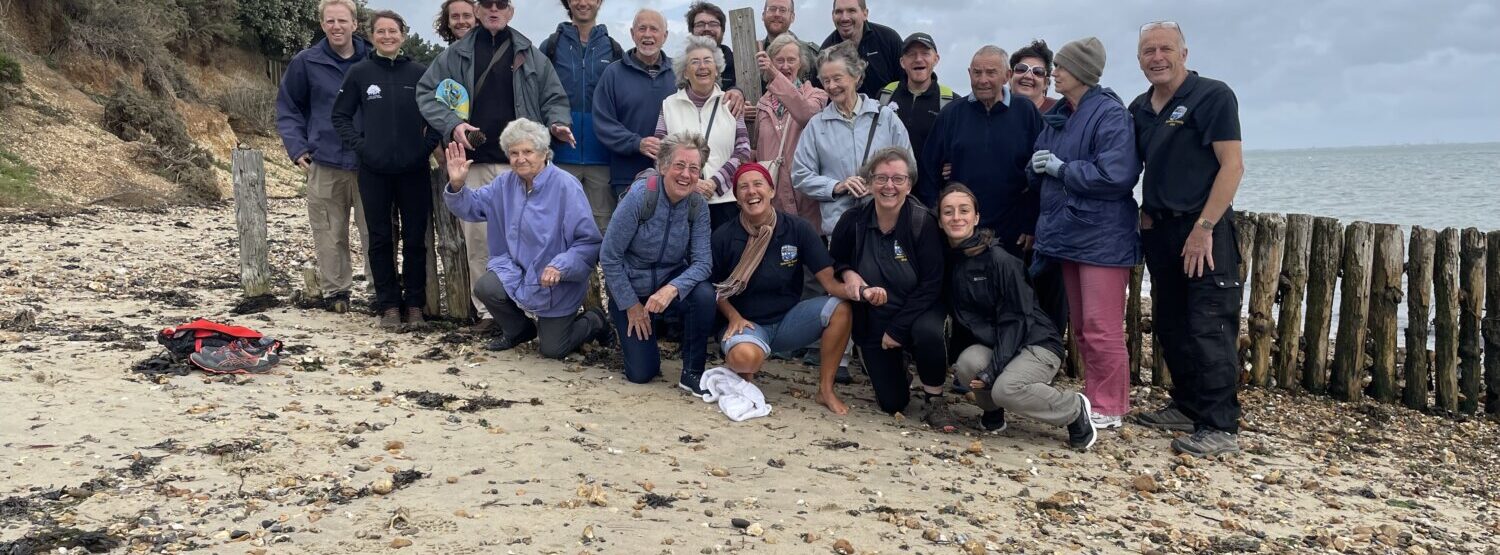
(1205, 224)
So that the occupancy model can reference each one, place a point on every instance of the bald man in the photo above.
(628, 99)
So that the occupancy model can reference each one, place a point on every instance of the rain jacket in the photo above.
(1089, 214)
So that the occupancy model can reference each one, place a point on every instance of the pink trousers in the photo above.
(1096, 310)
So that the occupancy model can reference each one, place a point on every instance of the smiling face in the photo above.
(957, 215)
(848, 17)
(388, 37)
(890, 184)
(460, 18)
(338, 25)
(1027, 83)
(683, 173)
(788, 61)
(584, 11)
(1066, 83)
(753, 193)
(526, 159)
(1163, 56)
(918, 62)
(648, 31)
(987, 74)
(703, 75)
(777, 15)
(495, 15)
(706, 25)
(842, 88)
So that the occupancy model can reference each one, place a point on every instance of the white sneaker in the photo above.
(1105, 422)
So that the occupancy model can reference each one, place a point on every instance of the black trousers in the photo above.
(557, 336)
(1198, 320)
(719, 214)
(409, 195)
(887, 367)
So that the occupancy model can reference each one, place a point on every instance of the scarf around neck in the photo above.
(755, 249)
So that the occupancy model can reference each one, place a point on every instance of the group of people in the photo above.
(872, 212)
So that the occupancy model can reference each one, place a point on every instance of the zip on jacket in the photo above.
(376, 115)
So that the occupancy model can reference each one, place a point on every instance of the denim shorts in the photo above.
(803, 325)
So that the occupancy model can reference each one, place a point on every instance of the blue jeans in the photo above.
(801, 326)
(643, 359)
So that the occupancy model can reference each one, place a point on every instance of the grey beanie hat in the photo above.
(1084, 58)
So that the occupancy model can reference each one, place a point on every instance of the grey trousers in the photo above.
(558, 336)
(1024, 387)
(595, 181)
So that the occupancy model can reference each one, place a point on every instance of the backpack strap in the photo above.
(888, 93)
(649, 199)
(549, 47)
(615, 50)
(945, 95)
(869, 141)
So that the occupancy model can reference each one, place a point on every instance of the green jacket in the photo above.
(540, 97)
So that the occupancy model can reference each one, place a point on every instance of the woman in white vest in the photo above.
(699, 107)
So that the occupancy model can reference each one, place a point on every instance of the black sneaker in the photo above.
(842, 376)
(1081, 433)
(504, 342)
(689, 382)
(1170, 418)
(993, 420)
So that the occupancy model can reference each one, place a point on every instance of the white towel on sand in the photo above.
(738, 399)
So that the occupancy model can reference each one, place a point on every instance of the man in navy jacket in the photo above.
(628, 100)
(580, 51)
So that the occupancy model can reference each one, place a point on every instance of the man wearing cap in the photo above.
(1187, 131)
(878, 45)
(502, 77)
(918, 97)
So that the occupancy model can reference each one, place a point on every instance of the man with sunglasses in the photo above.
(1188, 133)
(1031, 68)
(503, 77)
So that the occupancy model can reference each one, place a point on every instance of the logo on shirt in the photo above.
(1176, 118)
(900, 253)
(788, 256)
(373, 92)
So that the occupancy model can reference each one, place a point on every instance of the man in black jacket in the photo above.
(879, 46)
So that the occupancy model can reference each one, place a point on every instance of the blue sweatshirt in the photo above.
(640, 257)
(627, 102)
(304, 105)
(989, 150)
(579, 68)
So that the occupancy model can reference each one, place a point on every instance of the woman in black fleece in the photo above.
(376, 116)
(889, 254)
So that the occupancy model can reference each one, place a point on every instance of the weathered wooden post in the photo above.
(1349, 349)
(451, 251)
(1245, 224)
(1385, 300)
(1470, 320)
(1418, 317)
(1445, 296)
(249, 173)
(1133, 338)
(746, 72)
(1323, 273)
(434, 303)
(1293, 288)
(1270, 240)
(1492, 327)
(1161, 376)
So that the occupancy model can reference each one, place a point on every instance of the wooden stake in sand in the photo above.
(1492, 327)
(1354, 295)
(1385, 299)
(1470, 320)
(1323, 262)
(249, 174)
(451, 251)
(1418, 317)
(1445, 296)
(746, 72)
(1244, 225)
(1133, 324)
(1269, 244)
(1293, 288)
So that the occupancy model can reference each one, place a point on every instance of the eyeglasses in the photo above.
(897, 180)
(1039, 71)
(710, 24)
(777, 9)
(684, 167)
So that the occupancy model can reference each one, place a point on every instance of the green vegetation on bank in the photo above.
(17, 182)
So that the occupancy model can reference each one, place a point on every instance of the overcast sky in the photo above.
(1311, 73)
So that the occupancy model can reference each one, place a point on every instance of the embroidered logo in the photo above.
(1176, 118)
(373, 92)
(788, 255)
(900, 253)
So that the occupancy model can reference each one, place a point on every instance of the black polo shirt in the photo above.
(776, 285)
(880, 48)
(1177, 144)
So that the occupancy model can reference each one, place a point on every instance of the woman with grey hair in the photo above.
(701, 107)
(789, 103)
(838, 139)
(656, 261)
(543, 244)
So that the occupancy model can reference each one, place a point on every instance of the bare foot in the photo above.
(828, 399)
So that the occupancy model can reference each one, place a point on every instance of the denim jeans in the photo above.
(642, 357)
(801, 326)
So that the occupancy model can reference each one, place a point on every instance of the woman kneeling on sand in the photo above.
(1010, 350)
(758, 265)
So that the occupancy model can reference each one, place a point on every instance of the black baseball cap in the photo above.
(923, 39)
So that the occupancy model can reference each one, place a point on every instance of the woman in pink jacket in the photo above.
(790, 101)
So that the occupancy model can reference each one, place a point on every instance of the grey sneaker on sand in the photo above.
(1207, 443)
(1170, 418)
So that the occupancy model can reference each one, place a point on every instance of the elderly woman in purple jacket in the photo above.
(1086, 168)
(543, 244)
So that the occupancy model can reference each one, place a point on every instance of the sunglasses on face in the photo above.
(1039, 71)
(497, 4)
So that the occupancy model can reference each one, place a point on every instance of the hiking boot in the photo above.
(1206, 443)
(1106, 422)
(689, 382)
(484, 325)
(939, 416)
(605, 335)
(390, 319)
(1082, 433)
(339, 303)
(414, 319)
(993, 420)
(504, 342)
(240, 356)
(1170, 418)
